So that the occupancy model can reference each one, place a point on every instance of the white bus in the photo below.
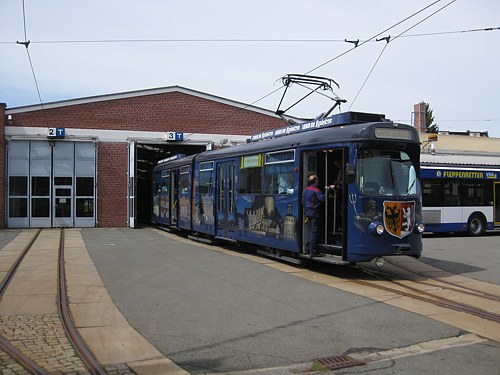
(461, 192)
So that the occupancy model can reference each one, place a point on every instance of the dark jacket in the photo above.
(312, 198)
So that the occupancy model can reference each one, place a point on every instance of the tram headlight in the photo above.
(376, 227)
(420, 228)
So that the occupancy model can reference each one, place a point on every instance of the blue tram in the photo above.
(251, 193)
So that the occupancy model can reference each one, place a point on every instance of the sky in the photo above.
(239, 50)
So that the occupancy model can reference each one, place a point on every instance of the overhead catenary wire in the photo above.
(373, 37)
(311, 40)
(360, 43)
(389, 40)
(368, 76)
(356, 46)
(26, 44)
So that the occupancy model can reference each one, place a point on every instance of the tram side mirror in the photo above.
(350, 173)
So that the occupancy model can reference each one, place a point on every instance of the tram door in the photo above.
(329, 166)
(226, 208)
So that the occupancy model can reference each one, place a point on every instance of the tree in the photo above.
(430, 125)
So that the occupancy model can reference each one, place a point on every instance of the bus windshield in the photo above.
(386, 173)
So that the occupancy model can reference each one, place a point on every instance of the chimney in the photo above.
(419, 117)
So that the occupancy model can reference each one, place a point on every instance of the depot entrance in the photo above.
(143, 157)
(51, 184)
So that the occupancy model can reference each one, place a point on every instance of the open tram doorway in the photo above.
(329, 166)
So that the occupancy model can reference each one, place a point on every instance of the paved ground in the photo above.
(213, 312)
(30, 321)
(477, 258)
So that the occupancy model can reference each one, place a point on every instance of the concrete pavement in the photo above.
(29, 315)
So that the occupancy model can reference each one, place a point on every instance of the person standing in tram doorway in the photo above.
(312, 200)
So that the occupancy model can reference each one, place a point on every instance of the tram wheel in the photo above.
(475, 225)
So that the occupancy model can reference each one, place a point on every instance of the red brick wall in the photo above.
(3, 167)
(112, 183)
(174, 111)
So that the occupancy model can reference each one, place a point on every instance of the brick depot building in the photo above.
(87, 162)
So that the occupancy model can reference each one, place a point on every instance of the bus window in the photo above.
(432, 193)
(478, 193)
(451, 193)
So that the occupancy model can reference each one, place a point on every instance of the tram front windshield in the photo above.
(381, 172)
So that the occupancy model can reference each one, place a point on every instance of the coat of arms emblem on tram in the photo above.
(399, 218)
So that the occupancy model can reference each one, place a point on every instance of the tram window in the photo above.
(386, 173)
(250, 176)
(280, 156)
(250, 180)
(205, 184)
(207, 166)
(477, 193)
(165, 182)
(18, 185)
(278, 172)
(184, 182)
(278, 178)
(205, 181)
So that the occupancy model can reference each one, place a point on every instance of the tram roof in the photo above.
(335, 134)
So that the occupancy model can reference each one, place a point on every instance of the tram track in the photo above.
(451, 285)
(75, 340)
(11, 272)
(429, 289)
(433, 299)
